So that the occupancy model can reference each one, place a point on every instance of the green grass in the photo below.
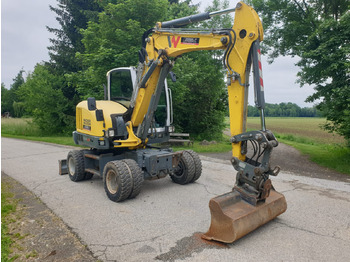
(19, 127)
(8, 206)
(62, 140)
(23, 128)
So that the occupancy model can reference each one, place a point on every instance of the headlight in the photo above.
(171, 129)
(111, 132)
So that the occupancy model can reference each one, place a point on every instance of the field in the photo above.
(304, 134)
(307, 128)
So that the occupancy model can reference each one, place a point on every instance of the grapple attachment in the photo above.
(253, 200)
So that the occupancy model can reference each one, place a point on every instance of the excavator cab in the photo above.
(122, 87)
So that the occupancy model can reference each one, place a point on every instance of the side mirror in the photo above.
(91, 102)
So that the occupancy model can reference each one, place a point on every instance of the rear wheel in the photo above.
(197, 165)
(184, 172)
(137, 176)
(76, 167)
(117, 181)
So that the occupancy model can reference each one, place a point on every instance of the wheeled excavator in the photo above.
(135, 114)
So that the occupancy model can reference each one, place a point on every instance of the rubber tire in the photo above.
(137, 176)
(184, 172)
(197, 165)
(88, 176)
(75, 159)
(117, 170)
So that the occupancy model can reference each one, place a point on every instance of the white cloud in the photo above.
(24, 38)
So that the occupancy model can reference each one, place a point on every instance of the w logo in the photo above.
(173, 41)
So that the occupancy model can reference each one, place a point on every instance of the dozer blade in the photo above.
(233, 218)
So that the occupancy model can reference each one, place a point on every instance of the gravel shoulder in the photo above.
(292, 161)
(39, 234)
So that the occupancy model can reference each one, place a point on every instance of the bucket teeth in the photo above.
(233, 218)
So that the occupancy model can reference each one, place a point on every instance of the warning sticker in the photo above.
(189, 41)
(87, 124)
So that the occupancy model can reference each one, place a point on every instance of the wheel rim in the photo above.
(111, 182)
(71, 166)
(180, 169)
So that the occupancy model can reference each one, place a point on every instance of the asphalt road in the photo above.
(165, 221)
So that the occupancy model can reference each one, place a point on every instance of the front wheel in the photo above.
(185, 171)
(137, 176)
(76, 166)
(117, 181)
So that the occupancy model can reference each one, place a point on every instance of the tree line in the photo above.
(96, 36)
(285, 110)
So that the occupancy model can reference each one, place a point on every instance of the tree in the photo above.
(44, 100)
(113, 41)
(10, 100)
(72, 17)
(318, 31)
(285, 110)
(5, 104)
(200, 96)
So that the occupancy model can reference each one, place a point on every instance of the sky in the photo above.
(24, 42)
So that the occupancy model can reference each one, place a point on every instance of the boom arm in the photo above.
(241, 45)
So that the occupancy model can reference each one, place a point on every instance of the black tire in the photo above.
(137, 176)
(184, 172)
(88, 176)
(117, 181)
(197, 165)
(76, 166)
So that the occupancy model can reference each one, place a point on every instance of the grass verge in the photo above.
(8, 207)
(61, 140)
(23, 128)
(332, 156)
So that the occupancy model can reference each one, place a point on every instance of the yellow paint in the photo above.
(132, 142)
(87, 119)
(246, 20)
(144, 97)
(82, 113)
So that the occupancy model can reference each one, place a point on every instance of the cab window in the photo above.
(121, 85)
(161, 113)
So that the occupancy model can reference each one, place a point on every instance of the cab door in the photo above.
(122, 88)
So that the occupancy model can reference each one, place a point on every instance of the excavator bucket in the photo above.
(232, 217)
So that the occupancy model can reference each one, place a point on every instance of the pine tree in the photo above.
(72, 17)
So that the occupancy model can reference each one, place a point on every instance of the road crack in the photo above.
(102, 252)
(309, 231)
(206, 189)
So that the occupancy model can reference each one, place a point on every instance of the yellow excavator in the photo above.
(137, 112)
